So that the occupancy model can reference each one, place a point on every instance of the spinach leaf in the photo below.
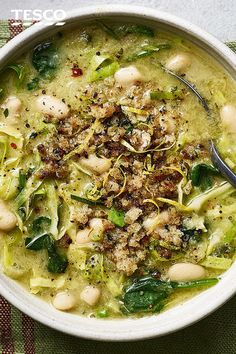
(149, 294)
(22, 212)
(192, 235)
(201, 175)
(117, 217)
(6, 112)
(42, 240)
(20, 72)
(22, 180)
(86, 201)
(56, 262)
(45, 59)
(39, 242)
(41, 224)
(145, 301)
(148, 50)
(149, 283)
(123, 30)
(194, 283)
(109, 30)
(170, 94)
(33, 84)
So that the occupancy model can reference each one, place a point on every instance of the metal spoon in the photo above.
(219, 163)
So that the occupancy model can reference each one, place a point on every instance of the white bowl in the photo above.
(179, 316)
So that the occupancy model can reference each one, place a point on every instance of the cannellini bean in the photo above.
(90, 294)
(179, 62)
(128, 76)
(64, 301)
(228, 117)
(52, 106)
(185, 272)
(97, 226)
(83, 236)
(13, 104)
(8, 219)
(151, 223)
(96, 164)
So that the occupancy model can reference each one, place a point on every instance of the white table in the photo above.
(216, 16)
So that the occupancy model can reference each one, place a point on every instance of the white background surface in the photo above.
(216, 16)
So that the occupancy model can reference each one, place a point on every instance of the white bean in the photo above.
(90, 294)
(8, 219)
(128, 76)
(97, 227)
(13, 105)
(185, 272)
(96, 164)
(52, 106)
(228, 117)
(83, 236)
(151, 223)
(64, 301)
(179, 62)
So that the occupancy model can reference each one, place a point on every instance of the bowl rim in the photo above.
(124, 329)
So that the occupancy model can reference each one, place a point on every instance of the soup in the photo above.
(110, 204)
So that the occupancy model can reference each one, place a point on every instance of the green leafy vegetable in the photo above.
(148, 50)
(109, 30)
(101, 67)
(194, 283)
(201, 175)
(33, 84)
(39, 242)
(224, 189)
(22, 180)
(193, 235)
(217, 262)
(170, 94)
(121, 31)
(117, 217)
(41, 224)
(45, 59)
(134, 28)
(42, 240)
(148, 294)
(20, 72)
(105, 71)
(56, 262)
(94, 268)
(145, 301)
(6, 112)
(86, 201)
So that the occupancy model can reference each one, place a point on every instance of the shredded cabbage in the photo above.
(38, 283)
(198, 202)
(217, 262)
(52, 208)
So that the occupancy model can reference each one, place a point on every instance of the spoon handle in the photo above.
(221, 165)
